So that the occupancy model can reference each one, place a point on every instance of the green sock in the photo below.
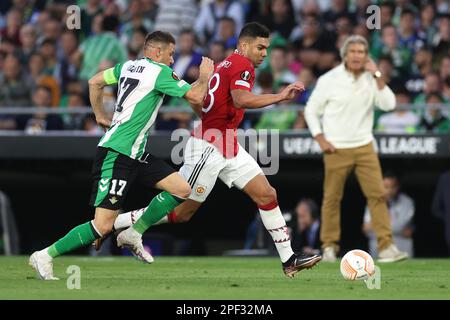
(79, 236)
(161, 205)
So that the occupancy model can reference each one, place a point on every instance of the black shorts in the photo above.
(114, 173)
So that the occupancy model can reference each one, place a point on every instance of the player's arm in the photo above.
(96, 85)
(197, 93)
(247, 100)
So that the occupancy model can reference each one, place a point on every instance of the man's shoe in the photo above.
(132, 240)
(329, 255)
(43, 266)
(299, 262)
(391, 254)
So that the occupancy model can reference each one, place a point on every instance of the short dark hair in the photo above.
(110, 23)
(254, 30)
(389, 174)
(159, 37)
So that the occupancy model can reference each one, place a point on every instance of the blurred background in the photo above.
(48, 133)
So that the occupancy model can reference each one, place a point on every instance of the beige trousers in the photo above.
(338, 166)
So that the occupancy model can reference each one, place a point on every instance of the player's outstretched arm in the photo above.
(96, 85)
(197, 93)
(248, 100)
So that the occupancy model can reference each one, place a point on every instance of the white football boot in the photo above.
(132, 240)
(43, 264)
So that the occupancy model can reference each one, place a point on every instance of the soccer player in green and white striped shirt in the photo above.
(121, 158)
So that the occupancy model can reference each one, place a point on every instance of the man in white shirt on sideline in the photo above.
(345, 98)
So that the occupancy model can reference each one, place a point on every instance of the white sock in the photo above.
(127, 219)
(276, 225)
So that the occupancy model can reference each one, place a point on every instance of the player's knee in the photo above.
(104, 227)
(268, 195)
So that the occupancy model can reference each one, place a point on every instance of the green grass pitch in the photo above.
(203, 278)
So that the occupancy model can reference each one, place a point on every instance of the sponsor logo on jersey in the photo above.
(246, 75)
(175, 76)
(225, 64)
(200, 190)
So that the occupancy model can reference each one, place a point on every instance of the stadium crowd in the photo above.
(43, 63)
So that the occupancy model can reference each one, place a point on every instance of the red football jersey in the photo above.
(220, 118)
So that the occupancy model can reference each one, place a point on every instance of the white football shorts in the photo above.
(203, 163)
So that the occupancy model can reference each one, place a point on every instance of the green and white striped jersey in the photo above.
(142, 85)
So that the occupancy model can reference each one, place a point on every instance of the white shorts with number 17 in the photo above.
(203, 163)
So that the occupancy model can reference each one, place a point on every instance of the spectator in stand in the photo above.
(217, 51)
(427, 28)
(135, 20)
(176, 15)
(432, 84)
(14, 91)
(89, 11)
(279, 18)
(401, 120)
(338, 9)
(28, 39)
(227, 32)
(41, 121)
(104, 46)
(66, 70)
(313, 43)
(408, 36)
(445, 67)
(401, 210)
(305, 227)
(401, 56)
(433, 119)
(11, 31)
(422, 65)
(441, 41)
(136, 44)
(278, 67)
(187, 59)
(206, 25)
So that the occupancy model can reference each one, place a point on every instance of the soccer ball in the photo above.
(357, 265)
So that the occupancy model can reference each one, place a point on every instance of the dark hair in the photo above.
(159, 37)
(407, 11)
(391, 175)
(265, 79)
(229, 19)
(254, 30)
(313, 207)
(447, 81)
(110, 23)
(45, 88)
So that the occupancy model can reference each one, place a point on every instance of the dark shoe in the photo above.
(298, 262)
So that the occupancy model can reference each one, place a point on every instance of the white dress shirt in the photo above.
(346, 105)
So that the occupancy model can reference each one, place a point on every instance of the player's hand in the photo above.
(292, 90)
(104, 123)
(206, 68)
(371, 66)
(324, 144)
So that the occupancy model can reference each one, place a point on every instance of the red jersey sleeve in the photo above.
(242, 78)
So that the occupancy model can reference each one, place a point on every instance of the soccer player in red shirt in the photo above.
(214, 152)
